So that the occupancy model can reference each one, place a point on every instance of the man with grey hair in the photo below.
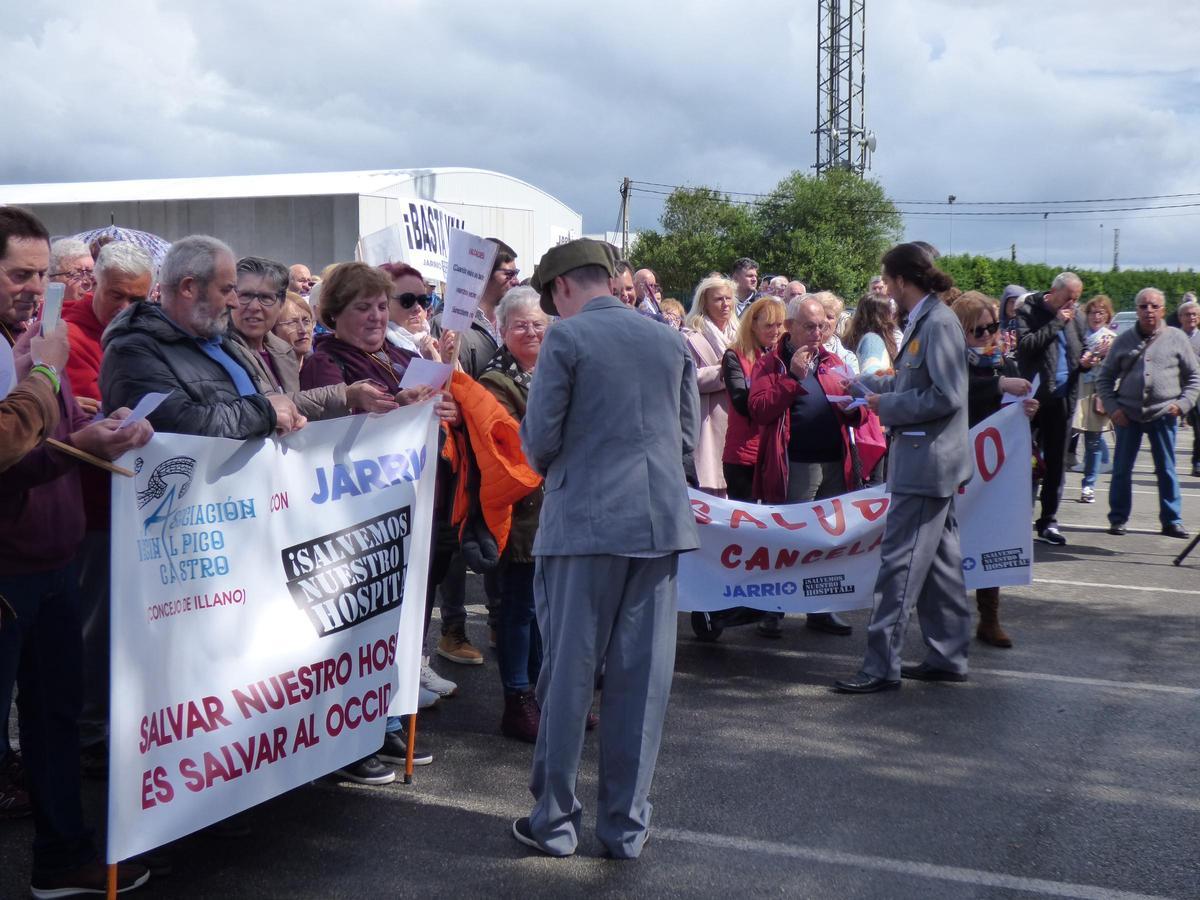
(794, 289)
(1188, 314)
(1150, 379)
(71, 264)
(1049, 349)
(179, 348)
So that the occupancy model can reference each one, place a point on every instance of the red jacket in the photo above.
(83, 332)
(772, 391)
(83, 373)
(741, 435)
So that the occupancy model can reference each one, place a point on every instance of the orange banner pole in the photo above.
(412, 748)
(111, 893)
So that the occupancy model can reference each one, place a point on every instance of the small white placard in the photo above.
(148, 404)
(8, 370)
(424, 371)
(471, 259)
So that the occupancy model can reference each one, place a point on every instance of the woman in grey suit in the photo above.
(925, 404)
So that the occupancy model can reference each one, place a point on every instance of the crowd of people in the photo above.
(744, 393)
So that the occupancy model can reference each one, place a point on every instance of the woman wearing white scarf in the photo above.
(713, 325)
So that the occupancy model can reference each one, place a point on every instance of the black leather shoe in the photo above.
(1117, 528)
(862, 683)
(1175, 530)
(830, 623)
(926, 672)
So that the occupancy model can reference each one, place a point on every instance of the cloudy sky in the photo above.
(1004, 100)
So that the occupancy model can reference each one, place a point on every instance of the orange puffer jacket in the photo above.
(495, 441)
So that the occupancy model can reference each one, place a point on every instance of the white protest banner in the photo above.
(426, 231)
(383, 246)
(471, 259)
(996, 509)
(267, 607)
(824, 556)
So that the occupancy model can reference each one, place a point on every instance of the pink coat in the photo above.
(707, 347)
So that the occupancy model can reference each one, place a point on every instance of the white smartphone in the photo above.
(52, 306)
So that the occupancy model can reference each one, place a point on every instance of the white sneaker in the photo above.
(426, 698)
(432, 681)
(1087, 495)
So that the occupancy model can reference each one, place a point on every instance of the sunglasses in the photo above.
(981, 330)
(406, 300)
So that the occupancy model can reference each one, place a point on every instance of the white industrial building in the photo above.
(314, 218)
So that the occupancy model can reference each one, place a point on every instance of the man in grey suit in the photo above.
(612, 409)
(925, 404)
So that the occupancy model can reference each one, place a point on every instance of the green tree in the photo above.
(702, 231)
(828, 230)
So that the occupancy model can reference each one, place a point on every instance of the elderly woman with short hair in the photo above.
(354, 309)
(830, 339)
(507, 376)
(714, 326)
(271, 361)
(295, 325)
(1090, 418)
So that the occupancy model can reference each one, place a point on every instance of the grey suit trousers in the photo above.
(619, 612)
(920, 562)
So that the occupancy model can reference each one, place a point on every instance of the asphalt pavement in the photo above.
(1065, 767)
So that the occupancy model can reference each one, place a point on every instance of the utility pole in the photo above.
(950, 200)
(1045, 238)
(1013, 252)
(1116, 249)
(625, 183)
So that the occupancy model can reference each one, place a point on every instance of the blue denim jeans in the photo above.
(1095, 455)
(42, 651)
(518, 641)
(1161, 433)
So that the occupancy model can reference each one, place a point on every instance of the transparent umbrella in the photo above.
(151, 243)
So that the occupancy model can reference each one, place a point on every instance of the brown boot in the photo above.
(989, 630)
(521, 717)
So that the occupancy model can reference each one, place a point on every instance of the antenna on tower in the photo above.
(843, 141)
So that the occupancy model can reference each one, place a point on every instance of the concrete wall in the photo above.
(312, 230)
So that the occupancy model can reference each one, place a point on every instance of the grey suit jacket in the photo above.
(925, 405)
(612, 409)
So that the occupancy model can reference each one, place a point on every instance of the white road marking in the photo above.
(1050, 677)
(957, 874)
(932, 871)
(1116, 587)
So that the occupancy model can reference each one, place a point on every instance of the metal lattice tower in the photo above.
(842, 137)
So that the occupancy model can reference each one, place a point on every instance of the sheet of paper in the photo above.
(148, 404)
(383, 246)
(52, 306)
(1009, 398)
(423, 371)
(471, 260)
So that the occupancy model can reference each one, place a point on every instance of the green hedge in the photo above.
(979, 273)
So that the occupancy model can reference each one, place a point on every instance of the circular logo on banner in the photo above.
(968, 563)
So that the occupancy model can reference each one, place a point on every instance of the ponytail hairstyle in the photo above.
(914, 264)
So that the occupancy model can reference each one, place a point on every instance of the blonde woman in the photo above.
(830, 338)
(758, 332)
(713, 325)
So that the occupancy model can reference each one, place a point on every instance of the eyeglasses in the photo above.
(407, 299)
(980, 330)
(1149, 306)
(75, 275)
(527, 328)
(509, 274)
(306, 323)
(245, 298)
